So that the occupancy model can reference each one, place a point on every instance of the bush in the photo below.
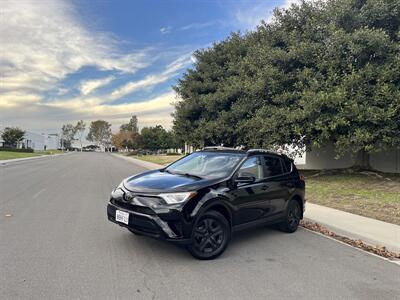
(24, 150)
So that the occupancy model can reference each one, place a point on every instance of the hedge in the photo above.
(25, 150)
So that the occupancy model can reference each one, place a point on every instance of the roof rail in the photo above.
(218, 148)
(262, 151)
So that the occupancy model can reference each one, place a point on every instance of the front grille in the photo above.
(137, 222)
(132, 207)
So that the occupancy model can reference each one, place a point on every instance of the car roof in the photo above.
(249, 152)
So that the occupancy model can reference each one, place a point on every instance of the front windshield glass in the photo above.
(206, 164)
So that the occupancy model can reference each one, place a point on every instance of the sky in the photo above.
(63, 61)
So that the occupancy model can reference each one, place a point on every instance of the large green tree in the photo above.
(320, 72)
(156, 138)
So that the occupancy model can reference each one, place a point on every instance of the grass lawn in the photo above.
(11, 155)
(49, 152)
(158, 159)
(373, 195)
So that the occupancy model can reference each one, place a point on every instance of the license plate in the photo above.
(122, 217)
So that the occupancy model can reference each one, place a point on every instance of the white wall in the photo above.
(388, 161)
(324, 158)
(52, 142)
(33, 140)
(40, 141)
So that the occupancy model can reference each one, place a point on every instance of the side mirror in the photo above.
(245, 179)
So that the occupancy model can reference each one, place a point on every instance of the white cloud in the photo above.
(250, 14)
(48, 117)
(165, 30)
(198, 25)
(13, 99)
(88, 86)
(43, 41)
(154, 79)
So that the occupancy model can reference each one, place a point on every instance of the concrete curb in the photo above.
(370, 231)
(5, 162)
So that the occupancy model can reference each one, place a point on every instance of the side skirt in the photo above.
(257, 223)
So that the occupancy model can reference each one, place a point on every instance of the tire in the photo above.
(135, 233)
(210, 236)
(292, 218)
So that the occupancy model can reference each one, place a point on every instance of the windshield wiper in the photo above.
(189, 175)
(168, 171)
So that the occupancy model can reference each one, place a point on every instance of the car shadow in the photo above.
(162, 250)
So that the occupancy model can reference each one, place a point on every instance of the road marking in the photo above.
(38, 193)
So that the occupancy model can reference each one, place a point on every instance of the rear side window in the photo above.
(288, 165)
(272, 166)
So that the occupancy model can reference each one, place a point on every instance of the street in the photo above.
(58, 244)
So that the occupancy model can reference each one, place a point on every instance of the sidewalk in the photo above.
(370, 231)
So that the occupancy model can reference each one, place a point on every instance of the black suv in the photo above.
(203, 197)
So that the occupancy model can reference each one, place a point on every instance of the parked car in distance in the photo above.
(202, 198)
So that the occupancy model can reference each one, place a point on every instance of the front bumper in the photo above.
(146, 224)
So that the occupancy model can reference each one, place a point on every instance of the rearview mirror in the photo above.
(245, 179)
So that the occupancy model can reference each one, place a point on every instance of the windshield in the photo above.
(206, 164)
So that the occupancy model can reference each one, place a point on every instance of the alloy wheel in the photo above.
(208, 236)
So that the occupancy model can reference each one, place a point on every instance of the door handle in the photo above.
(289, 184)
(264, 187)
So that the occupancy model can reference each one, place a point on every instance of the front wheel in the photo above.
(210, 236)
(293, 217)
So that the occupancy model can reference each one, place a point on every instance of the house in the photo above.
(42, 141)
(37, 141)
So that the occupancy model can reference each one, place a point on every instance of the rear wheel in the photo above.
(293, 217)
(210, 236)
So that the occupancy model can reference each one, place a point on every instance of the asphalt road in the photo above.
(58, 244)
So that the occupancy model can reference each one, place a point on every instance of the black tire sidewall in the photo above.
(227, 233)
(285, 225)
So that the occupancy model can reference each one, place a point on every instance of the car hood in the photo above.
(157, 181)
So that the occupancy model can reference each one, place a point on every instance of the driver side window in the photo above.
(251, 168)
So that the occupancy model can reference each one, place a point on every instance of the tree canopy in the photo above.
(155, 138)
(68, 132)
(321, 72)
(80, 129)
(12, 136)
(100, 132)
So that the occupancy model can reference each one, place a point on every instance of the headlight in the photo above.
(117, 193)
(175, 198)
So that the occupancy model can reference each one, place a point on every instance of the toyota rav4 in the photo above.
(201, 199)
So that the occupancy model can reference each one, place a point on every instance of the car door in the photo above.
(250, 200)
(276, 184)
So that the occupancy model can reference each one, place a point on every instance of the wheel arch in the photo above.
(223, 210)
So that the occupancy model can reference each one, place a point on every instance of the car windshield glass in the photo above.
(206, 164)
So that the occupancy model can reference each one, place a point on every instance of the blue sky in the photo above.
(62, 61)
